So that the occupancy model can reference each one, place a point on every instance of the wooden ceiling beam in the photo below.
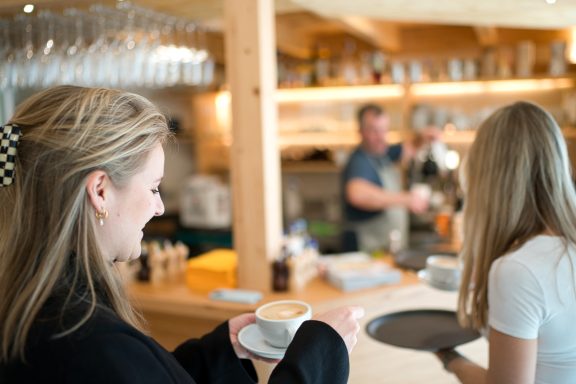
(383, 35)
(293, 40)
(487, 36)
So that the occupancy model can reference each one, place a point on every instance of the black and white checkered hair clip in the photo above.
(9, 136)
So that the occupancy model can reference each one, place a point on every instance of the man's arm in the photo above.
(367, 196)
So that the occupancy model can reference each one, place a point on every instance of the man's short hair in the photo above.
(374, 109)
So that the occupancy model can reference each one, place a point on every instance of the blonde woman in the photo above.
(519, 251)
(80, 170)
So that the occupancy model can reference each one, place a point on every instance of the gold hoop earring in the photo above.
(101, 215)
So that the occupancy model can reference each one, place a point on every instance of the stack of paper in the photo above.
(352, 271)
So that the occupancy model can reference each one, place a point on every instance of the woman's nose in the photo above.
(159, 208)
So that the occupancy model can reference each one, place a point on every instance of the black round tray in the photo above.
(423, 329)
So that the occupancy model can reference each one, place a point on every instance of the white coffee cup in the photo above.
(443, 271)
(278, 321)
(422, 190)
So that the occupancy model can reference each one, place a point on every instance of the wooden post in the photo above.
(255, 166)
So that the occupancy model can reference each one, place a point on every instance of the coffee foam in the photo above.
(283, 311)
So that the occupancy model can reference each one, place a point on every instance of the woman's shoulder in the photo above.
(103, 349)
(51, 354)
(538, 258)
(540, 249)
(103, 323)
(59, 330)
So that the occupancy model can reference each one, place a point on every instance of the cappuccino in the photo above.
(278, 321)
(283, 311)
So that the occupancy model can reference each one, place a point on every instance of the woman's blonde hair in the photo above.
(47, 224)
(517, 184)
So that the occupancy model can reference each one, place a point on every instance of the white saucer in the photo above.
(251, 339)
(423, 276)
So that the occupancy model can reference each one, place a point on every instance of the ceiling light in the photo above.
(28, 8)
(551, 1)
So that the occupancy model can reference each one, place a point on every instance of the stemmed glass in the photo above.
(6, 55)
(204, 56)
(50, 59)
(25, 71)
(72, 65)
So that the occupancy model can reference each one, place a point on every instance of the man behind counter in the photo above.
(375, 204)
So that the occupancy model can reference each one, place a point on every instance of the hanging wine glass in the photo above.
(24, 72)
(116, 44)
(164, 55)
(6, 54)
(204, 56)
(73, 65)
(191, 67)
(152, 43)
(127, 65)
(98, 51)
(50, 59)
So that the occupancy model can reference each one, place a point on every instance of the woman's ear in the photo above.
(97, 185)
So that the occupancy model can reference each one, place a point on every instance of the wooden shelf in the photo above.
(349, 139)
(343, 93)
(319, 166)
(460, 88)
(345, 139)
(458, 137)
(319, 139)
(325, 139)
(448, 88)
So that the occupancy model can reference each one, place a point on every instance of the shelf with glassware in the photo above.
(459, 107)
(325, 116)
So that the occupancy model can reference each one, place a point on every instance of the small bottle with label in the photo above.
(281, 272)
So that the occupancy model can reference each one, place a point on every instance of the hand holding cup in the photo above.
(344, 320)
(420, 195)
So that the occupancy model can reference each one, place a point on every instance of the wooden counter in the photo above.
(175, 313)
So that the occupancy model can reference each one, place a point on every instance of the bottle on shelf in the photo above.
(365, 70)
(378, 67)
(557, 58)
(280, 271)
(348, 69)
(321, 63)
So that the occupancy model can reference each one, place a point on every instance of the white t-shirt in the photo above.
(532, 294)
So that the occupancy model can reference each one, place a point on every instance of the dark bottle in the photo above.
(281, 272)
(430, 167)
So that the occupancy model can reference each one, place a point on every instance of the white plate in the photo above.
(251, 339)
(423, 276)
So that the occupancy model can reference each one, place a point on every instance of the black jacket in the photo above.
(108, 350)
